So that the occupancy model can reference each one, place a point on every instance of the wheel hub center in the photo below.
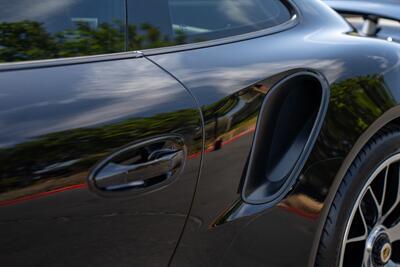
(386, 252)
(381, 250)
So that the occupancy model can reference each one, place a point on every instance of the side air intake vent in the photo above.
(287, 128)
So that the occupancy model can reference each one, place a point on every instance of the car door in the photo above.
(258, 89)
(99, 149)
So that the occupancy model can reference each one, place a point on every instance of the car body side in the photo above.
(212, 94)
(362, 74)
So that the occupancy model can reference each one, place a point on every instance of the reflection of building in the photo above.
(77, 34)
(59, 168)
(92, 23)
(69, 154)
(231, 116)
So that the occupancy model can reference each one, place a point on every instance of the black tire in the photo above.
(383, 145)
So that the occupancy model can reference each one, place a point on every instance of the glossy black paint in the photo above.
(364, 82)
(59, 121)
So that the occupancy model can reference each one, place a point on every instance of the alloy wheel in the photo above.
(372, 235)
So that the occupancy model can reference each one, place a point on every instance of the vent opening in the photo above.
(287, 129)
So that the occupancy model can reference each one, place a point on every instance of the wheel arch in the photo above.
(391, 116)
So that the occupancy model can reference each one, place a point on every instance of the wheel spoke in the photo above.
(366, 259)
(385, 182)
(365, 234)
(397, 201)
(392, 264)
(364, 221)
(357, 239)
(394, 233)
(377, 204)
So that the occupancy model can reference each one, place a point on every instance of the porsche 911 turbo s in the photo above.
(196, 133)
(379, 19)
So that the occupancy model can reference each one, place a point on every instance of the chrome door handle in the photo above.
(139, 168)
(119, 177)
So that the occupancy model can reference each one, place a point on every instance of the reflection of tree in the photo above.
(148, 36)
(84, 40)
(231, 115)
(29, 40)
(355, 104)
(26, 40)
(83, 147)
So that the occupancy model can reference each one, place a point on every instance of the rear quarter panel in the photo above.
(230, 82)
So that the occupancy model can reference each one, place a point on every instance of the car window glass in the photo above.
(160, 23)
(46, 29)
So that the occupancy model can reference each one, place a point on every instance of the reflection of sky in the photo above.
(248, 12)
(238, 10)
(220, 71)
(231, 70)
(225, 14)
(58, 14)
(61, 98)
(221, 82)
(33, 9)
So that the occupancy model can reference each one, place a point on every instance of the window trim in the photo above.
(43, 63)
(226, 40)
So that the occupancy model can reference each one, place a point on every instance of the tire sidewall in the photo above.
(369, 159)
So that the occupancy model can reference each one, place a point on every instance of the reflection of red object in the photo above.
(81, 186)
(233, 139)
(41, 194)
(302, 213)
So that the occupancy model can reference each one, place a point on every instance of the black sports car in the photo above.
(379, 19)
(196, 133)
